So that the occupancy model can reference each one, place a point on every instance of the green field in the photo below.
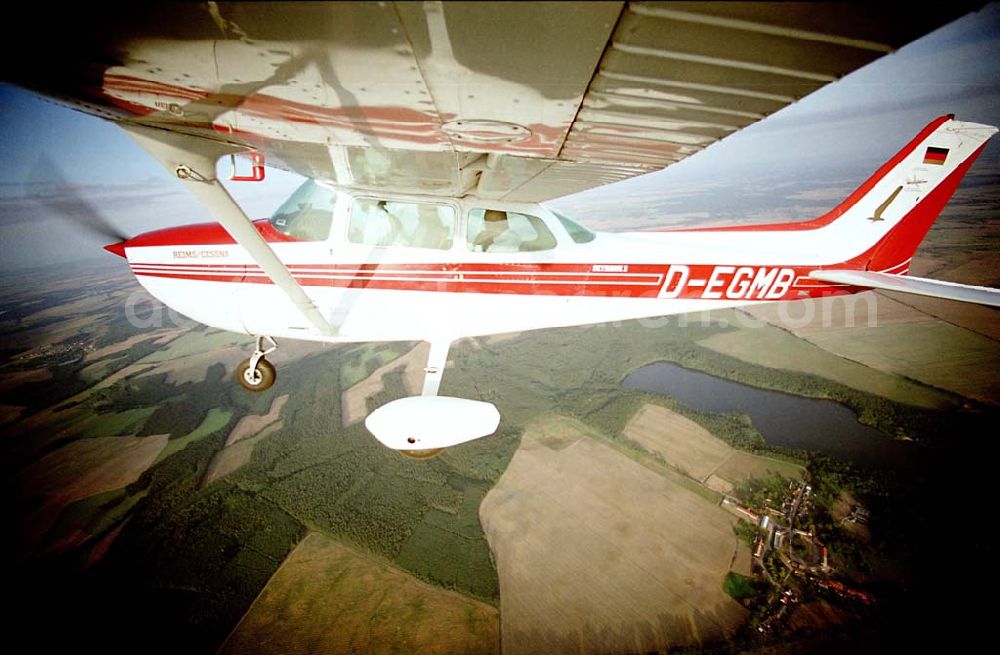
(740, 586)
(362, 361)
(743, 466)
(775, 348)
(194, 342)
(96, 514)
(962, 371)
(99, 370)
(215, 421)
(902, 341)
(116, 423)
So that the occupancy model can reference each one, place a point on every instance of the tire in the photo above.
(262, 381)
(428, 453)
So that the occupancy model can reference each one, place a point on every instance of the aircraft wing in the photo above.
(915, 285)
(519, 101)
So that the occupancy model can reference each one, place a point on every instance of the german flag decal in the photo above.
(935, 156)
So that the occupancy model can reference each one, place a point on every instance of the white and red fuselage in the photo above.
(371, 292)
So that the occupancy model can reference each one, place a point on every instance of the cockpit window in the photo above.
(308, 213)
(492, 230)
(577, 232)
(401, 223)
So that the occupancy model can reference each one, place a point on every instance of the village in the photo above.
(56, 354)
(791, 559)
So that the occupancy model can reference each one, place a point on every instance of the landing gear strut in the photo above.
(421, 427)
(256, 373)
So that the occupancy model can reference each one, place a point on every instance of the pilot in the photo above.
(496, 235)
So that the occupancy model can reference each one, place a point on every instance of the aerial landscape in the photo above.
(808, 476)
(150, 494)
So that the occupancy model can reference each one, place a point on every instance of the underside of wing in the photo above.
(519, 101)
(915, 285)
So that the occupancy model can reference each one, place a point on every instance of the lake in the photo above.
(782, 419)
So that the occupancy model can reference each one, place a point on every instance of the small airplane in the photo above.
(429, 147)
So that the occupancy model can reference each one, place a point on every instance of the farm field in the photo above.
(327, 598)
(773, 347)
(240, 443)
(681, 442)
(216, 420)
(355, 399)
(692, 450)
(234, 456)
(78, 470)
(877, 345)
(628, 575)
(251, 424)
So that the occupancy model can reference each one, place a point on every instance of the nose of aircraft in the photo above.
(116, 248)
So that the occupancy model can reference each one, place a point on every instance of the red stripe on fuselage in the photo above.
(688, 282)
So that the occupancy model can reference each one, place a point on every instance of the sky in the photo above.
(853, 124)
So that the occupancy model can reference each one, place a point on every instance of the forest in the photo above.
(189, 559)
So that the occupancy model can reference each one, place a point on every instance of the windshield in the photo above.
(577, 232)
(308, 213)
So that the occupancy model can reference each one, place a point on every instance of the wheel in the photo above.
(426, 453)
(259, 380)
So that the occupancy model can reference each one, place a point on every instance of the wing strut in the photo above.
(434, 370)
(192, 160)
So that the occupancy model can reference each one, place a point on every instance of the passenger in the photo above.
(391, 228)
(496, 235)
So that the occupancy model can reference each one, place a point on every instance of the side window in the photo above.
(399, 223)
(307, 213)
(577, 232)
(491, 230)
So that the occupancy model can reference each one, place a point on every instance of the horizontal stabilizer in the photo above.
(916, 285)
